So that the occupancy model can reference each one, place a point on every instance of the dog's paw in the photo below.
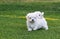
(46, 28)
(29, 29)
(34, 29)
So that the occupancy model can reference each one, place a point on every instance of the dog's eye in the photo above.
(30, 18)
(39, 15)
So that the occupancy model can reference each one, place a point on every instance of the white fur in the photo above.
(38, 21)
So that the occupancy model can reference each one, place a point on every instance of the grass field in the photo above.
(13, 21)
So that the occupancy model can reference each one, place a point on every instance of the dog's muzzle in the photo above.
(32, 21)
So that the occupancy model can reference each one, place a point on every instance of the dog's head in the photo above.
(31, 17)
(39, 14)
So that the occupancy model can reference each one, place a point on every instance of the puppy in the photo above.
(36, 21)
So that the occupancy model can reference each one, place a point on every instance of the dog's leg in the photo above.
(29, 28)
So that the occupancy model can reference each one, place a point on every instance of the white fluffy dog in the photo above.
(36, 21)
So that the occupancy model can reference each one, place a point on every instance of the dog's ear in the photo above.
(27, 16)
(42, 13)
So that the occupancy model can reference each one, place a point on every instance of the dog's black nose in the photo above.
(32, 19)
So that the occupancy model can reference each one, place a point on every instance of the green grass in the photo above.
(15, 28)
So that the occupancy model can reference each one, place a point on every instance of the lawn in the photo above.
(13, 21)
